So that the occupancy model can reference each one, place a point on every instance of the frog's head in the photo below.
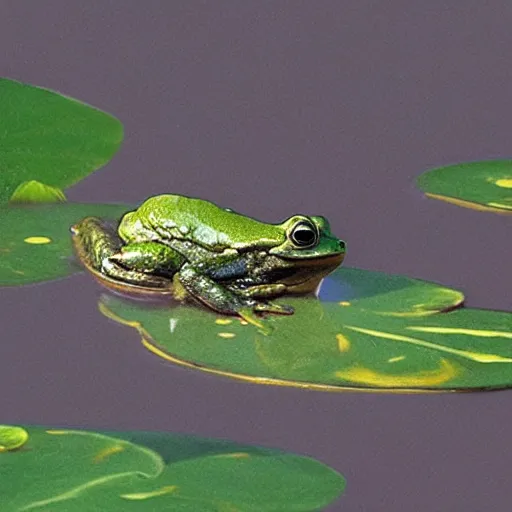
(309, 238)
(310, 250)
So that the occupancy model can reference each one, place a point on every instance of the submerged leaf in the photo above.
(36, 192)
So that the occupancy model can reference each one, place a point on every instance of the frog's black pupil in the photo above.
(304, 236)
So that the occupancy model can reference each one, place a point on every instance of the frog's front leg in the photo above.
(220, 298)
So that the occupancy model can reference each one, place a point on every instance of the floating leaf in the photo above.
(328, 346)
(62, 470)
(57, 465)
(464, 349)
(387, 294)
(485, 185)
(51, 138)
(36, 192)
(36, 242)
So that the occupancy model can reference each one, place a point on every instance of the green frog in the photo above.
(195, 249)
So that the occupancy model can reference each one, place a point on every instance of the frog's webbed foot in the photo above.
(269, 307)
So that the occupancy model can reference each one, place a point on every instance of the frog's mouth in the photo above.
(311, 274)
(307, 286)
(330, 260)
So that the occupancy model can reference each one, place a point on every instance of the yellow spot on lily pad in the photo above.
(504, 183)
(362, 375)
(107, 452)
(223, 321)
(226, 335)
(344, 303)
(396, 359)
(37, 240)
(343, 343)
(168, 489)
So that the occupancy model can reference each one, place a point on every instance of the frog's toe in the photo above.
(279, 309)
(287, 310)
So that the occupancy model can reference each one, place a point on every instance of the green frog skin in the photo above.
(231, 263)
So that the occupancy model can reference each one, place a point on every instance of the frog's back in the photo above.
(207, 224)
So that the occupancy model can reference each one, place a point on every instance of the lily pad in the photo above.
(36, 244)
(485, 185)
(387, 294)
(51, 138)
(62, 470)
(328, 346)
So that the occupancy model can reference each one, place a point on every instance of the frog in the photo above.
(195, 250)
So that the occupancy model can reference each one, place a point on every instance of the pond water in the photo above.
(307, 131)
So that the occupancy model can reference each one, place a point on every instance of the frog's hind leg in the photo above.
(149, 257)
(147, 264)
(115, 271)
(95, 239)
(97, 244)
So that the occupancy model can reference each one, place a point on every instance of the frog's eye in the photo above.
(304, 235)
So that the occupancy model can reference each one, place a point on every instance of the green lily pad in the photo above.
(485, 185)
(36, 242)
(387, 294)
(62, 470)
(51, 138)
(327, 346)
